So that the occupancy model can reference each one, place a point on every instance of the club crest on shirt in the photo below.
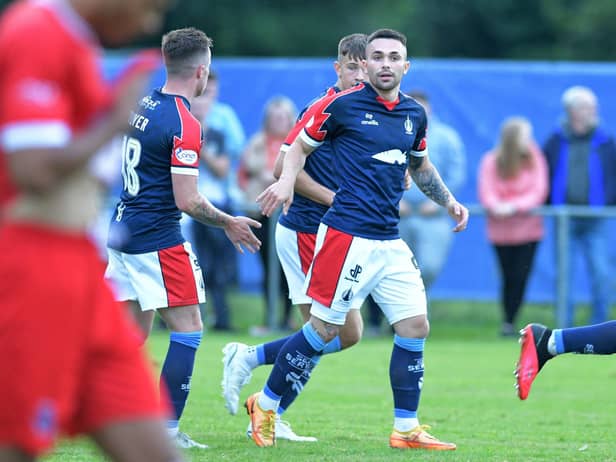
(408, 125)
(186, 157)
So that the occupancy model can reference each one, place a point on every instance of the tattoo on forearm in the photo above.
(430, 183)
(208, 214)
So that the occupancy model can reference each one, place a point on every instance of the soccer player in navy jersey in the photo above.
(540, 344)
(295, 239)
(150, 263)
(377, 133)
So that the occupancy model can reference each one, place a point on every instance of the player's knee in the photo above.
(415, 327)
(325, 330)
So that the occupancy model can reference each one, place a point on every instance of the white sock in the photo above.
(405, 424)
(266, 403)
(173, 431)
(251, 357)
(552, 344)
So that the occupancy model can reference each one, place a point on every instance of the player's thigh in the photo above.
(295, 251)
(400, 292)
(344, 271)
(166, 278)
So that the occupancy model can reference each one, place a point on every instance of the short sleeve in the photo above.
(36, 105)
(420, 146)
(187, 141)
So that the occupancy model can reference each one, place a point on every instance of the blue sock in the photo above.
(178, 367)
(268, 352)
(406, 370)
(287, 399)
(333, 347)
(598, 339)
(294, 359)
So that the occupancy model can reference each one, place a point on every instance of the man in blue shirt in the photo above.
(377, 133)
(151, 265)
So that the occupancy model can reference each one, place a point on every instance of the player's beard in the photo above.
(386, 86)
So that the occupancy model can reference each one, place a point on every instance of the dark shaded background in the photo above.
(504, 29)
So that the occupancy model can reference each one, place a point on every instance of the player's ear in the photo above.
(201, 70)
(337, 68)
(407, 66)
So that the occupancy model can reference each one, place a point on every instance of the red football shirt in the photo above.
(51, 84)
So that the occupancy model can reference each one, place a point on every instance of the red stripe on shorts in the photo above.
(178, 276)
(327, 266)
(305, 249)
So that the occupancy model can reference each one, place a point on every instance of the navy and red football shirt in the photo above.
(305, 215)
(165, 138)
(371, 140)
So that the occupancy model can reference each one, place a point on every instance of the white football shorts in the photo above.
(346, 269)
(161, 279)
(295, 251)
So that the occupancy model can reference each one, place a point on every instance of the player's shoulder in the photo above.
(409, 101)
(344, 96)
(31, 25)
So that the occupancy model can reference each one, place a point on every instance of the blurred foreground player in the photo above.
(73, 358)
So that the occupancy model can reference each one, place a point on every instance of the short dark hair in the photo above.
(388, 34)
(353, 46)
(181, 46)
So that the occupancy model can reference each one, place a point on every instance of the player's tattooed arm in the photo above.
(428, 180)
(204, 212)
(189, 201)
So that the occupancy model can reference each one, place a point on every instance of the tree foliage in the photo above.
(503, 29)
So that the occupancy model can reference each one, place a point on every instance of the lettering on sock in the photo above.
(417, 367)
(303, 365)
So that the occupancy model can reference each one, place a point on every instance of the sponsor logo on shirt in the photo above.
(148, 103)
(187, 156)
(369, 119)
(392, 156)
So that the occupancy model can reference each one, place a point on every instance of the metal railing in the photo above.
(562, 214)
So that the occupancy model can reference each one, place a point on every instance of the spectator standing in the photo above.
(222, 117)
(424, 225)
(257, 173)
(214, 251)
(512, 181)
(581, 158)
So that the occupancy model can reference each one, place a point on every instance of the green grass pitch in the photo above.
(468, 398)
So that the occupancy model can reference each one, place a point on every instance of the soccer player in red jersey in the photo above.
(72, 359)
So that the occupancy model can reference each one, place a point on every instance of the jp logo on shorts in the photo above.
(354, 273)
